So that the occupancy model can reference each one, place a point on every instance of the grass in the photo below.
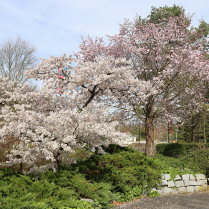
(119, 176)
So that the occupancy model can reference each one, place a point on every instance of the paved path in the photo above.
(198, 200)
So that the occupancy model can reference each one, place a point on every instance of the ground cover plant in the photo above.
(120, 176)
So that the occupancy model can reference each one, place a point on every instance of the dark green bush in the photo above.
(174, 150)
(115, 148)
(160, 148)
(188, 146)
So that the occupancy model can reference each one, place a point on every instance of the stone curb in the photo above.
(182, 184)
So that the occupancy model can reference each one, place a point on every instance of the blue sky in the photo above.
(55, 27)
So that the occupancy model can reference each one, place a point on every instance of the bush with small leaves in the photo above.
(174, 150)
(115, 148)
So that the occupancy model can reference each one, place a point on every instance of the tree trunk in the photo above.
(21, 167)
(170, 128)
(169, 131)
(149, 130)
(58, 161)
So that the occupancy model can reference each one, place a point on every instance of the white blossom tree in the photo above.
(47, 128)
(139, 71)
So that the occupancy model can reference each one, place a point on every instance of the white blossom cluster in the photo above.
(51, 127)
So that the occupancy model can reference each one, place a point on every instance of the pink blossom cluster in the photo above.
(164, 67)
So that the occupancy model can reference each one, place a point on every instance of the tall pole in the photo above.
(204, 127)
(139, 134)
(167, 134)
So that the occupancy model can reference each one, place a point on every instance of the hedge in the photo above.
(160, 148)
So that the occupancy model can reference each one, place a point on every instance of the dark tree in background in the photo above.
(156, 16)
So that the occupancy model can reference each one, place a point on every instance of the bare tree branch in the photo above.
(15, 57)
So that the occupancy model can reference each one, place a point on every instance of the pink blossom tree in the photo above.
(162, 78)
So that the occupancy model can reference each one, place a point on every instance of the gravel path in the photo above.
(198, 200)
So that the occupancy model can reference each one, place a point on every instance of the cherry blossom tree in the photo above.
(153, 71)
(48, 129)
(165, 74)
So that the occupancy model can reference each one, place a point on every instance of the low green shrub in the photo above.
(195, 161)
(28, 201)
(174, 150)
(123, 170)
(136, 191)
(24, 191)
(121, 176)
(115, 148)
(160, 148)
(188, 146)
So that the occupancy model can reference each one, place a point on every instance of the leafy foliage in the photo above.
(154, 194)
(123, 169)
(156, 15)
(193, 128)
(203, 28)
(160, 148)
(26, 192)
(121, 176)
(115, 148)
(174, 150)
(196, 160)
